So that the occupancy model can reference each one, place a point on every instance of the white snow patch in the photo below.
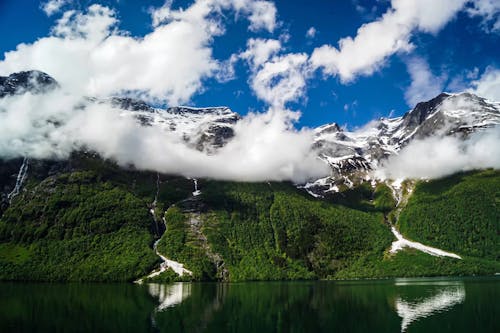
(403, 242)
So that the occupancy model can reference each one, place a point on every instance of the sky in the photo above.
(286, 66)
(338, 61)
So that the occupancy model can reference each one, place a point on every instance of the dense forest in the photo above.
(91, 221)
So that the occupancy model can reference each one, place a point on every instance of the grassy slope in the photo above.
(459, 213)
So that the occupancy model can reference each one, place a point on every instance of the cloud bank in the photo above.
(440, 156)
(89, 56)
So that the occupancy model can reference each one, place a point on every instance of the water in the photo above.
(410, 305)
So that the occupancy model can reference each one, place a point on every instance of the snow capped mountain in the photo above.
(205, 129)
(351, 155)
(32, 81)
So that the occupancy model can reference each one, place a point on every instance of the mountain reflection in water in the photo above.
(169, 295)
(446, 296)
(411, 305)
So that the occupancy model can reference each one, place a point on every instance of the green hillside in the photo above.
(460, 213)
(91, 221)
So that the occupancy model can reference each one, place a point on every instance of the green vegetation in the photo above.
(181, 244)
(75, 227)
(383, 199)
(88, 224)
(413, 263)
(91, 222)
(460, 213)
(272, 232)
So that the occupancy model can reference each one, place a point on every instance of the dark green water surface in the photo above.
(410, 305)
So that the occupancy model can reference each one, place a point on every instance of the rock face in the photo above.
(351, 155)
(35, 82)
(205, 129)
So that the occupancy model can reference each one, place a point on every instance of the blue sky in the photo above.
(453, 55)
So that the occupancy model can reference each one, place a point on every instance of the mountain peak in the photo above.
(33, 81)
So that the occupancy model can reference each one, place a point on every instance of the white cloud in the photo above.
(276, 78)
(311, 32)
(260, 14)
(281, 80)
(488, 85)
(88, 54)
(440, 156)
(53, 6)
(377, 40)
(260, 50)
(489, 11)
(263, 15)
(265, 146)
(424, 85)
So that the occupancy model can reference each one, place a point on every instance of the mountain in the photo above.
(85, 218)
(35, 82)
(352, 155)
(205, 129)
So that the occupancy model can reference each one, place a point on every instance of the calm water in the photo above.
(416, 305)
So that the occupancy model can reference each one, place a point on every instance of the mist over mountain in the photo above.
(449, 133)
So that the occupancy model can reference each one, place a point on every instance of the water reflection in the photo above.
(169, 295)
(445, 295)
(417, 306)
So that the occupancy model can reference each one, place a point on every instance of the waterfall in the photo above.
(155, 202)
(196, 191)
(21, 177)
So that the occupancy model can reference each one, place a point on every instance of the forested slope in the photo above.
(89, 220)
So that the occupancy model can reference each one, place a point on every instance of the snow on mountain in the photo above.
(205, 129)
(32, 81)
(351, 155)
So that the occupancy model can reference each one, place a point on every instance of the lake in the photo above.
(400, 305)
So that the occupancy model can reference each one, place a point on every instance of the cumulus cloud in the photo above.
(87, 53)
(424, 85)
(440, 156)
(281, 80)
(260, 50)
(276, 77)
(89, 56)
(260, 14)
(376, 41)
(488, 85)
